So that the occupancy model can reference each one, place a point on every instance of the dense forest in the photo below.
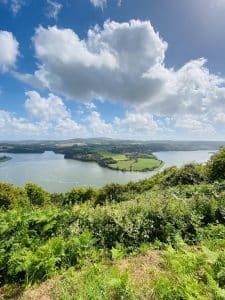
(161, 238)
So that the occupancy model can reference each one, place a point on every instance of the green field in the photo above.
(123, 165)
(131, 162)
(146, 164)
(139, 164)
(115, 156)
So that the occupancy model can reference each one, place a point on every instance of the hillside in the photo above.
(161, 238)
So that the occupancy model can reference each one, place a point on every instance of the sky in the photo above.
(124, 69)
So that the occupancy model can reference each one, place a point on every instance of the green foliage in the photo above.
(118, 252)
(44, 234)
(109, 193)
(216, 165)
(32, 266)
(36, 194)
(79, 195)
(96, 282)
(12, 197)
(58, 199)
(189, 174)
(190, 274)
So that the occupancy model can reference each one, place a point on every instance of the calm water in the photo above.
(57, 174)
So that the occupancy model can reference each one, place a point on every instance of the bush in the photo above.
(11, 196)
(36, 194)
(216, 165)
(79, 195)
(189, 174)
(111, 192)
(190, 275)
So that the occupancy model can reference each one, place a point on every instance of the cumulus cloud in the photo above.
(97, 126)
(125, 63)
(9, 50)
(50, 117)
(111, 63)
(220, 118)
(50, 108)
(194, 125)
(12, 126)
(136, 124)
(53, 9)
(99, 3)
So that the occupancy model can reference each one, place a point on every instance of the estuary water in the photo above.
(56, 174)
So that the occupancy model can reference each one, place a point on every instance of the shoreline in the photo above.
(121, 170)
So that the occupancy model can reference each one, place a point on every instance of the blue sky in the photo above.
(141, 69)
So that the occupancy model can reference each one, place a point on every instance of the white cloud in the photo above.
(90, 105)
(97, 126)
(196, 126)
(136, 124)
(12, 126)
(51, 108)
(110, 64)
(125, 62)
(220, 118)
(15, 5)
(9, 50)
(53, 9)
(51, 117)
(99, 3)
(48, 117)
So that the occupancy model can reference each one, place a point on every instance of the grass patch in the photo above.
(146, 164)
(138, 165)
(115, 156)
(96, 282)
(123, 165)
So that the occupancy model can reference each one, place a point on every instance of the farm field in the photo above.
(146, 164)
(137, 164)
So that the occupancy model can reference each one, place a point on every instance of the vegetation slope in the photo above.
(161, 238)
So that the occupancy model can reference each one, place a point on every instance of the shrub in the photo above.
(190, 275)
(216, 165)
(189, 174)
(110, 192)
(57, 198)
(79, 195)
(11, 196)
(36, 194)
